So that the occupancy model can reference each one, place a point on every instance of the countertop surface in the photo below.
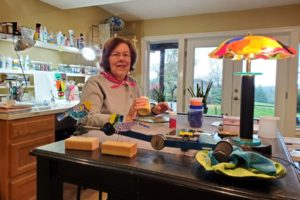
(58, 107)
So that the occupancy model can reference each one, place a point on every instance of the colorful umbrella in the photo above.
(248, 48)
(252, 47)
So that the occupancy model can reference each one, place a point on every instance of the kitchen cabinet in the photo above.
(17, 168)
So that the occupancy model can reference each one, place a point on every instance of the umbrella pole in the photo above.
(248, 65)
(247, 109)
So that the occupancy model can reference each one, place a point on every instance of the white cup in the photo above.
(268, 127)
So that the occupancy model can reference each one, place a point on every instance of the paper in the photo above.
(44, 84)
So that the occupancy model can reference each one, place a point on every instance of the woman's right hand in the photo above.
(138, 103)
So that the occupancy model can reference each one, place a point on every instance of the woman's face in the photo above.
(120, 61)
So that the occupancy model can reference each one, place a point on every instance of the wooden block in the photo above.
(82, 143)
(119, 148)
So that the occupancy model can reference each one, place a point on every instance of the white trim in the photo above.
(180, 76)
(222, 33)
(144, 68)
(291, 103)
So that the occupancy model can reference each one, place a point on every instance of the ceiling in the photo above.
(131, 10)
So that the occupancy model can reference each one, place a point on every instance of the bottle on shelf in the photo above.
(59, 38)
(51, 38)
(36, 35)
(71, 38)
(26, 62)
(45, 35)
(65, 41)
(81, 42)
(3, 62)
(9, 63)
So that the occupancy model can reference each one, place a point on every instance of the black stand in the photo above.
(247, 113)
(247, 107)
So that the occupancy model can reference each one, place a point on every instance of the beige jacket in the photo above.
(106, 100)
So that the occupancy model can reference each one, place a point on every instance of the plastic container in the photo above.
(268, 127)
(172, 119)
(195, 116)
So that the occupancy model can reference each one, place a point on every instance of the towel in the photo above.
(242, 164)
(44, 83)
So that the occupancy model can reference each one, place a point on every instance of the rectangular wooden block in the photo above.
(119, 148)
(82, 143)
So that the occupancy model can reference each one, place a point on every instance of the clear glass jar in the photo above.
(195, 116)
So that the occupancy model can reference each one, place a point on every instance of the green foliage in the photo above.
(158, 95)
(200, 91)
(214, 109)
(260, 95)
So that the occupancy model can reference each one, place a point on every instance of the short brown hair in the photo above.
(110, 45)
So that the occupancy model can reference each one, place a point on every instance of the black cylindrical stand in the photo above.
(247, 107)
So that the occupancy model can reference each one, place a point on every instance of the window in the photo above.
(206, 70)
(163, 72)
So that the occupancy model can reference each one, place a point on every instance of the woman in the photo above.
(113, 90)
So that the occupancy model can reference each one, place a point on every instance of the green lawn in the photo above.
(260, 109)
(263, 109)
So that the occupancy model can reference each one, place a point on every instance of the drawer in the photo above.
(31, 126)
(23, 187)
(20, 160)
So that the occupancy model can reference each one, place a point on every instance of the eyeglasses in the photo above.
(125, 55)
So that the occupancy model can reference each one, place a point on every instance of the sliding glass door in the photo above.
(181, 68)
(224, 96)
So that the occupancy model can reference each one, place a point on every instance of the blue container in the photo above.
(195, 116)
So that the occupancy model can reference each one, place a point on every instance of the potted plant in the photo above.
(158, 94)
(200, 92)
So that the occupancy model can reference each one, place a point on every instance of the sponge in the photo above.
(119, 148)
(82, 143)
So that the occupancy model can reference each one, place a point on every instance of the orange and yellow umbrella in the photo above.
(252, 47)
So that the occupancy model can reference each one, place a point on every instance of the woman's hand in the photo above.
(160, 108)
(139, 103)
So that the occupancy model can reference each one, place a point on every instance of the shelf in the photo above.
(4, 87)
(19, 71)
(57, 47)
(76, 75)
(15, 71)
(39, 44)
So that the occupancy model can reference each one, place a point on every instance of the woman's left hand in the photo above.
(160, 108)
